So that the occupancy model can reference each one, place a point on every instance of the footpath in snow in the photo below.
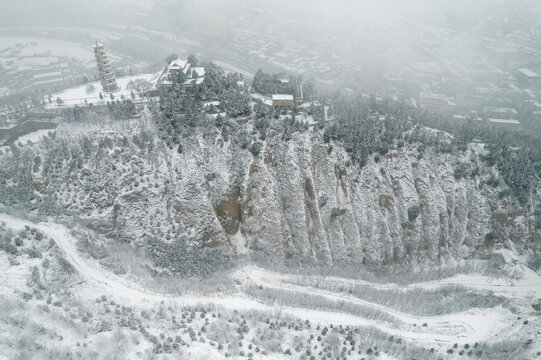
(473, 325)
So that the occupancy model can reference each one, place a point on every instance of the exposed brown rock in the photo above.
(386, 202)
(229, 211)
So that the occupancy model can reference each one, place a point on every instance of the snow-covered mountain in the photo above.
(300, 199)
(115, 244)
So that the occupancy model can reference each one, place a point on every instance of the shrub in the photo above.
(256, 148)
(490, 238)
(413, 213)
(8, 247)
(34, 253)
(534, 262)
(460, 171)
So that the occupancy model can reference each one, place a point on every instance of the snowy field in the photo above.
(471, 326)
(63, 291)
(232, 68)
(90, 93)
(264, 99)
(34, 137)
(41, 51)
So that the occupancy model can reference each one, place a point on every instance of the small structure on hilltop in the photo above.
(180, 72)
(281, 100)
(107, 76)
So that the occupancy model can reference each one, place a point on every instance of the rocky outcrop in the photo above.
(300, 199)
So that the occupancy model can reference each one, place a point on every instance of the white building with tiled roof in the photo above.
(180, 71)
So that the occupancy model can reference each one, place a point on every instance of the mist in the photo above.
(400, 49)
(284, 179)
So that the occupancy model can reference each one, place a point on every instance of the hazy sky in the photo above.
(348, 10)
(373, 33)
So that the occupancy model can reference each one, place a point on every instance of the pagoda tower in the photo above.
(106, 74)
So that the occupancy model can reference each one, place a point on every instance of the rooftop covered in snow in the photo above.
(528, 73)
(282, 97)
(505, 121)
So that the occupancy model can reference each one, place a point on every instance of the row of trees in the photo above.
(118, 109)
(366, 126)
(283, 83)
(515, 153)
(181, 106)
(180, 258)
(268, 84)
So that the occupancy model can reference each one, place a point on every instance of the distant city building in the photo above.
(436, 102)
(107, 76)
(529, 74)
(500, 112)
(504, 122)
(528, 77)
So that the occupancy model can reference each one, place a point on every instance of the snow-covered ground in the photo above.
(264, 99)
(34, 137)
(233, 68)
(35, 50)
(474, 325)
(90, 93)
(528, 285)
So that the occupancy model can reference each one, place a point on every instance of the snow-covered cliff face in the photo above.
(296, 199)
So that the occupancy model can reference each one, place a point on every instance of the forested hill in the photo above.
(340, 179)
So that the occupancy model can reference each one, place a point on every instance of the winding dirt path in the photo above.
(473, 325)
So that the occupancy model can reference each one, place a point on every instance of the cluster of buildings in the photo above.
(179, 71)
(479, 63)
(482, 64)
(498, 95)
(494, 78)
(19, 72)
(276, 48)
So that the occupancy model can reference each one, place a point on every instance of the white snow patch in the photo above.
(78, 95)
(35, 136)
(471, 326)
